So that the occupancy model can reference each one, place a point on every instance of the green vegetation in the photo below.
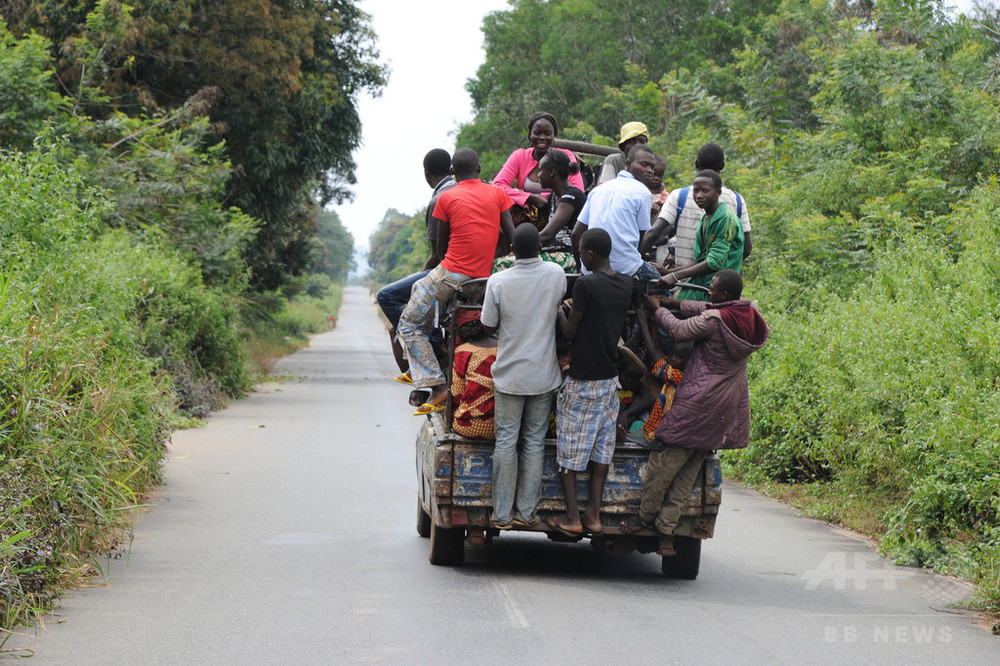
(146, 274)
(864, 138)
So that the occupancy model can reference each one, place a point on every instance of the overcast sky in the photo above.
(432, 48)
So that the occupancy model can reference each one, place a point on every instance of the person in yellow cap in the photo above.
(632, 133)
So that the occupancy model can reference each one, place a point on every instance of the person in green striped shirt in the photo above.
(718, 242)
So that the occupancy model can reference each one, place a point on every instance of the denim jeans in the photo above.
(392, 298)
(646, 273)
(517, 480)
(417, 322)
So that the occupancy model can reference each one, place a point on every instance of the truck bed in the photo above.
(456, 484)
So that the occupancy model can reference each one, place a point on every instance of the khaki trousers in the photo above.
(670, 475)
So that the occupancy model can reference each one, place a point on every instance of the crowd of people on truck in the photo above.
(643, 254)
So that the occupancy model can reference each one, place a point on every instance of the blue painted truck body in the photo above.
(455, 477)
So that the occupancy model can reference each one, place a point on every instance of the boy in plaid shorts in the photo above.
(587, 406)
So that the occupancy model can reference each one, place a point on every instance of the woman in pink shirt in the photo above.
(519, 175)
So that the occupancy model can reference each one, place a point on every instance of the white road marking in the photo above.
(514, 614)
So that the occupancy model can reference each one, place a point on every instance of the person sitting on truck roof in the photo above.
(519, 175)
(718, 243)
(472, 378)
(587, 405)
(521, 304)
(621, 207)
(471, 218)
(711, 408)
(632, 134)
(393, 297)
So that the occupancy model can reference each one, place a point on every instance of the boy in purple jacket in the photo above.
(711, 407)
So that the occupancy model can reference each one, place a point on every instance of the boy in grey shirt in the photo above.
(521, 303)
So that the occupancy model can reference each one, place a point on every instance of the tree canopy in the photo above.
(279, 81)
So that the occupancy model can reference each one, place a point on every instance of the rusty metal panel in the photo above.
(463, 477)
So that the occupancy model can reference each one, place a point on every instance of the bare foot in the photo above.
(592, 524)
(438, 394)
(564, 524)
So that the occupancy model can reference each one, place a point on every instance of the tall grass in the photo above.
(98, 335)
(886, 396)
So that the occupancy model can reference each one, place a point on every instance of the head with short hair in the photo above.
(710, 156)
(639, 162)
(727, 285)
(711, 175)
(526, 244)
(679, 354)
(437, 162)
(465, 164)
(596, 241)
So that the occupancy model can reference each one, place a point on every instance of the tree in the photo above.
(337, 257)
(288, 74)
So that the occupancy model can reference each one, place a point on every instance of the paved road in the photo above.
(285, 534)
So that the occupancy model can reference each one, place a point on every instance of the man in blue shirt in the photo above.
(622, 208)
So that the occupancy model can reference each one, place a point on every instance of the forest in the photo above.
(164, 168)
(864, 137)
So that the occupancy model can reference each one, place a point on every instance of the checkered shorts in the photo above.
(585, 422)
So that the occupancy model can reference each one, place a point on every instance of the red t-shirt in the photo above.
(472, 210)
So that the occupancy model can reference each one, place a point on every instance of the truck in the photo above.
(455, 483)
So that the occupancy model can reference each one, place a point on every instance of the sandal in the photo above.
(404, 378)
(633, 524)
(429, 408)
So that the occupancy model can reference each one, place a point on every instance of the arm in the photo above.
(651, 343)
(435, 258)
(575, 237)
(693, 328)
(444, 234)
(747, 244)
(569, 319)
(564, 212)
(490, 314)
(641, 402)
(609, 170)
(510, 175)
(693, 269)
(506, 231)
(649, 241)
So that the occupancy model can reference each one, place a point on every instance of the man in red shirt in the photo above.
(470, 218)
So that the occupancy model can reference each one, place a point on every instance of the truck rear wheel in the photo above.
(423, 521)
(685, 564)
(447, 546)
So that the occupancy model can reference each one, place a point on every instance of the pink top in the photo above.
(516, 169)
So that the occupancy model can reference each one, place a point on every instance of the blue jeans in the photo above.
(646, 273)
(517, 481)
(392, 298)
